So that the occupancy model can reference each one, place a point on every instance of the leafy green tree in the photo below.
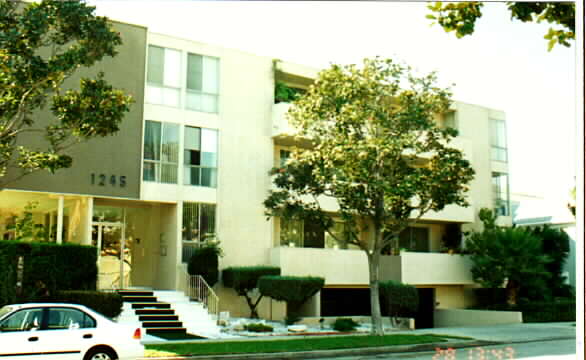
(461, 17)
(506, 255)
(378, 151)
(41, 46)
(244, 280)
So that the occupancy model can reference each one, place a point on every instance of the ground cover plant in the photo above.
(305, 344)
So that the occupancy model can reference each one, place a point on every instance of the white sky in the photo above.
(504, 64)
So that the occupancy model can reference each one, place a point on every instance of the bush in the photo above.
(548, 311)
(204, 262)
(107, 304)
(72, 267)
(244, 279)
(490, 296)
(258, 327)
(291, 319)
(399, 300)
(294, 290)
(345, 324)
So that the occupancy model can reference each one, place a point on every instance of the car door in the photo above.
(19, 334)
(66, 334)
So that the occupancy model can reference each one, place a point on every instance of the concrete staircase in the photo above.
(166, 311)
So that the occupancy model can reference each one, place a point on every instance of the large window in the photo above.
(165, 85)
(500, 193)
(498, 140)
(414, 239)
(161, 152)
(296, 233)
(202, 83)
(163, 76)
(199, 222)
(200, 157)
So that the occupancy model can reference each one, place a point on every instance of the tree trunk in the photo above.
(375, 313)
(512, 290)
(252, 305)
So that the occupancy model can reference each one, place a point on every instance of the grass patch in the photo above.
(306, 344)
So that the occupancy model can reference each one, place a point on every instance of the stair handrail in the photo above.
(196, 288)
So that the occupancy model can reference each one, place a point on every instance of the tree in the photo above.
(377, 150)
(42, 45)
(205, 262)
(244, 280)
(506, 255)
(461, 17)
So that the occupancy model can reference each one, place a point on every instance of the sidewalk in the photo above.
(483, 335)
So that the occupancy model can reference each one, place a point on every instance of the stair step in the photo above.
(162, 324)
(155, 317)
(154, 311)
(156, 305)
(139, 299)
(166, 330)
(135, 293)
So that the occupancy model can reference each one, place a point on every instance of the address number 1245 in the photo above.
(112, 180)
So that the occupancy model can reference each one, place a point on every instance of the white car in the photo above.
(63, 332)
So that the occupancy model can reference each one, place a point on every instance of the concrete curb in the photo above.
(356, 352)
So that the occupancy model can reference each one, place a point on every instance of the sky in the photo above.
(504, 64)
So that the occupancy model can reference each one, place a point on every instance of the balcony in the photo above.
(350, 267)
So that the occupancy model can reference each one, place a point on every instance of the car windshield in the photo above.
(5, 310)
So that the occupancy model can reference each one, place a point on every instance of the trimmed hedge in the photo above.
(205, 262)
(291, 289)
(345, 324)
(47, 267)
(399, 300)
(245, 278)
(548, 311)
(108, 304)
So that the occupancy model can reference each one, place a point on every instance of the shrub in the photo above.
(244, 279)
(258, 327)
(72, 267)
(490, 296)
(107, 304)
(399, 300)
(204, 262)
(291, 319)
(548, 311)
(294, 290)
(345, 324)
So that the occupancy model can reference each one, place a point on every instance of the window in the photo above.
(199, 222)
(63, 318)
(202, 83)
(500, 193)
(291, 233)
(341, 240)
(498, 140)
(200, 157)
(163, 76)
(161, 152)
(284, 155)
(414, 239)
(23, 320)
(298, 233)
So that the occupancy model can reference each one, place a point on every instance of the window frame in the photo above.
(158, 175)
(202, 92)
(498, 190)
(187, 167)
(498, 145)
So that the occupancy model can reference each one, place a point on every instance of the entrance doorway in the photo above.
(114, 255)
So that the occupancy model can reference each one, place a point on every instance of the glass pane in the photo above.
(194, 72)
(170, 97)
(210, 75)
(209, 147)
(209, 103)
(208, 177)
(152, 140)
(191, 175)
(155, 65)
(169, 173)
(149, 171)
(291, 233)
(190, 229)
(501, 134)
(23, 320)
(192, 138)
(313, 236)
(170, 143)
(208, 222)
(172, 71)
(193, 101)
(154, 94)
(192, 157)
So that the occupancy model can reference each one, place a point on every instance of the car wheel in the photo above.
(100, 354)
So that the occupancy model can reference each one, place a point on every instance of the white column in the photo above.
(87, 239)
(59, 239)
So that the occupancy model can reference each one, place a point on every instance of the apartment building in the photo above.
(190, 164)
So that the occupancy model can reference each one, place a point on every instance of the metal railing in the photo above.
(196, 288)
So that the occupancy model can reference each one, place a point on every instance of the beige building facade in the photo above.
(191, 165)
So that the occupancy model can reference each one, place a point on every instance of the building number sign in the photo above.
(108, 180)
